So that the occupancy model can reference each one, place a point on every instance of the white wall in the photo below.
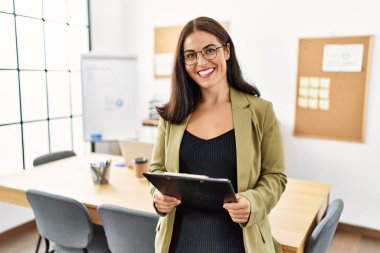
(266, 36)
(12, 216)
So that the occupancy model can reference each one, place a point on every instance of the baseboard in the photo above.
(4, 236)
(345, 227)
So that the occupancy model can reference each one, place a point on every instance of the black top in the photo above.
(201, 230)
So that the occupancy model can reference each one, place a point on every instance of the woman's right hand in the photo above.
(164, 203)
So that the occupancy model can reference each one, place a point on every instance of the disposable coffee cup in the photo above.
(140, 165)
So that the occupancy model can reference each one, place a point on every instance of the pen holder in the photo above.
(100, 172)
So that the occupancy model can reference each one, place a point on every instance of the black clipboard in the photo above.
(194, 191)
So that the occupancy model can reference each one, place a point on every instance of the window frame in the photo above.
(69, 72)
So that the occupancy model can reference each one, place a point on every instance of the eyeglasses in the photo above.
(209, 53)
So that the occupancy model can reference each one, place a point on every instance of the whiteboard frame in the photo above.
(116, 122)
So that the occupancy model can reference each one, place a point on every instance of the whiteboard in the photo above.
(109, 96)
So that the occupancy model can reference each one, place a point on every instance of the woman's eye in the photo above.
(190, 55)
(210, 50)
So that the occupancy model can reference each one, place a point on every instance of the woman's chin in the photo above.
(206, 85)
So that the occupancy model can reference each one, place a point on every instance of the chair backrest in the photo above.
(128, 230)
(321, 237)
(63, 221)
(52, 157)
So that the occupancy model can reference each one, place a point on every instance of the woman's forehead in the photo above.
(198, 40)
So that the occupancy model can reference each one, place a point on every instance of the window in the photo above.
(40, 88)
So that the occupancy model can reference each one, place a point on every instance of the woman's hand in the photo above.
(164, 203)
(240, 210)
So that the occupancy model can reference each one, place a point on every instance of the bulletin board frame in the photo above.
(344, 116)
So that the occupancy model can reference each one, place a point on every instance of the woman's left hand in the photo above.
(239, 211)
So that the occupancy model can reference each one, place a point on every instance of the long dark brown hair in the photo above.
(185, 92)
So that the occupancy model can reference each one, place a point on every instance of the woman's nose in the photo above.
(200, 59)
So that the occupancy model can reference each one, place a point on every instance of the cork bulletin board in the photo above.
(165, 42)
(332, 85)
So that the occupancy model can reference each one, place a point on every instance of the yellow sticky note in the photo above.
(302, 102)
(312, 103)
(304, 82)
(303, 92)
(324, 104)
(313, 93)
(324, 93)
(314, 82)
(325, 83)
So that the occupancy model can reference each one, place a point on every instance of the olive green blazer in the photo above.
(260, 168)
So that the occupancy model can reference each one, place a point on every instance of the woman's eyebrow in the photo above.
(191, 50)
(208, 46)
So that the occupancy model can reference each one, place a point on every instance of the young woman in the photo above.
(215, 124)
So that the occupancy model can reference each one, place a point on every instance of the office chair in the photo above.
(127, 230)
(321, 237)
(51, 157)
(66, 223)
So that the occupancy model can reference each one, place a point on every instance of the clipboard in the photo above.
(194, 191)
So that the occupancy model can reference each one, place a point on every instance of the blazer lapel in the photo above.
(174, 143)
(243, 135)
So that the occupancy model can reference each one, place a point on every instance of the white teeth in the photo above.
(205, 72)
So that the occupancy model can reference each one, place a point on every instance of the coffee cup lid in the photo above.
(140, 160)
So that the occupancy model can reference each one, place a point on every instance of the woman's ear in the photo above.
(227, 51)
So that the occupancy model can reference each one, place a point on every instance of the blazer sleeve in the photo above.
(158, 157)
(272, 181)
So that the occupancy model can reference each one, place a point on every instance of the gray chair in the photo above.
(321, 237)
(66, 223)
(128, 230)
(51, 157)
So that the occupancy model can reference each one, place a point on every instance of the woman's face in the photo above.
(206, 73)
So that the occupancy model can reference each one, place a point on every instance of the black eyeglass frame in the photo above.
(204, 57)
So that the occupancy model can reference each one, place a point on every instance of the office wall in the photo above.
(266, 35)
(12, 216)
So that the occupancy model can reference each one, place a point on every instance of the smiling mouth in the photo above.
(206, 73)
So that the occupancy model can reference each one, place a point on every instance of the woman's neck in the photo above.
(216, 95)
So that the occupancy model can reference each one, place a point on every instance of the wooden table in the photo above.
(299, 210)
